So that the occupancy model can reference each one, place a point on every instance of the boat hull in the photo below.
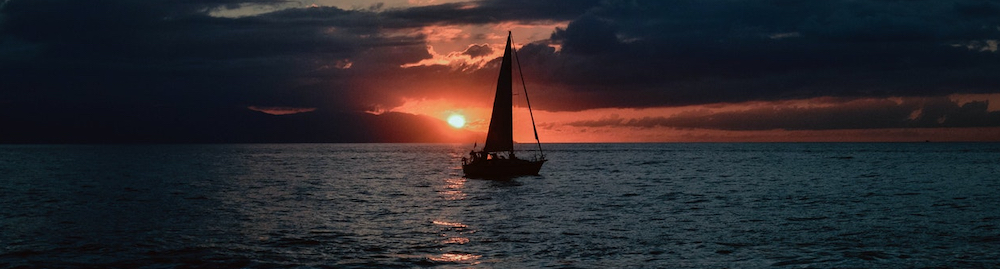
(500, 168)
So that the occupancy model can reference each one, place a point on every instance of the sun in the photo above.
(456, 120)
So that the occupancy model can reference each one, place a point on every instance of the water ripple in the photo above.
(596, 206)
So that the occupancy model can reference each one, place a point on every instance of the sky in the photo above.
(217, 71)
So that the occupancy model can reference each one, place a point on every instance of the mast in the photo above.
(528, 101)
(501, 135)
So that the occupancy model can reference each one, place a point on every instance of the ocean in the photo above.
(670, 205)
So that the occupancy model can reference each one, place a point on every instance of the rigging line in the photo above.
(528, 101)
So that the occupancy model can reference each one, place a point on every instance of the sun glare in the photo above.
(456, 121)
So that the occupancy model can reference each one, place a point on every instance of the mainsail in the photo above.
(501, 136)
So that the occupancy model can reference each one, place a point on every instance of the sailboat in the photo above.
(497, 158)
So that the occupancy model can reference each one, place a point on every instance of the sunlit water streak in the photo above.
(595, 206)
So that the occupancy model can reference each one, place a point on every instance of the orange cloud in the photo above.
(992, 99)
(448, 44)
(473, 57)
(960, 118)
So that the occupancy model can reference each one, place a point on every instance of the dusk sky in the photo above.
(109, 71)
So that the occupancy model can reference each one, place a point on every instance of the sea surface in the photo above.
(674, 205)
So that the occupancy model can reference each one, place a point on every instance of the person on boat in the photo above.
(476, 156)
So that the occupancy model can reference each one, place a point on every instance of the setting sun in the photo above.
(456, 121)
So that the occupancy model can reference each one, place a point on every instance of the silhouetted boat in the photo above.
(497, 158)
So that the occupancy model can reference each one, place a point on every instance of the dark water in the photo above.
(596, 206)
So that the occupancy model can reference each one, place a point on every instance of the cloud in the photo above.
(121, 52)
(491, 11)
(177, 63)
(121, 69)
(669, 53)
(822, 114)
(472, 59)
(477, 51)
(282, 110)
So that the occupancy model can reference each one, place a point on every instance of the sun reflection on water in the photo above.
(450, 224)
(456, 257)
(453, 189)
(454, 234)
(456, 240)
(452, 239)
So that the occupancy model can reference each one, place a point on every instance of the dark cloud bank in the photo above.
(167, 71)
(694, 52)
